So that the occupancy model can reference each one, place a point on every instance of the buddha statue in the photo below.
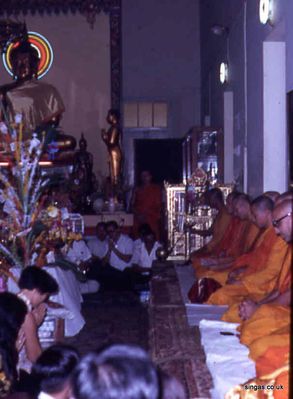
(82, 178)
(39, 103)
(111, 138)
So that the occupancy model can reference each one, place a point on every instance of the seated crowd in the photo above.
(118, 263)
(249, 256)
(116, 372)
(249, 261)
(114, 259)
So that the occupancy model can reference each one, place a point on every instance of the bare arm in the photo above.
(32, 344)
(125, 257)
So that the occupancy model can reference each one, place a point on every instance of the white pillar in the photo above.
(275, 163)
(228, 137)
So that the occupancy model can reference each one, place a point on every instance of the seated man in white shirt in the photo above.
(78, 253)
(113, 274)
(145, 254)
(98, 245)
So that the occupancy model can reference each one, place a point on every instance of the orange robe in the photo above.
(271, 316)
(256, 286)
(221, 246)
(280, 338)
(273, 361)
(273, 358)
(219, 228)
(250, 237)
(257, 258)
(148, 203)
(232, 244)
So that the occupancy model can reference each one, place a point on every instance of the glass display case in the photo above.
(203, 147)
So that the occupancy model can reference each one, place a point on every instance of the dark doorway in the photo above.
(162, 157)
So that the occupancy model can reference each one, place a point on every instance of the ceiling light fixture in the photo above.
(223, 72)
(265, 11)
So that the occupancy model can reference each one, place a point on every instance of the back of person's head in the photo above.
(33, 277)
(52, 370)
(117, 372)
(12, 310)
(12, 314)
(170, 387)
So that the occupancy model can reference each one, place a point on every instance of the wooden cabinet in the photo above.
(204, 147)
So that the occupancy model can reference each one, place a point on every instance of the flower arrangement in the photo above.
(21, 188)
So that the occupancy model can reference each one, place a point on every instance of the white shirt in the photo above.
(125, 246)
(78, 252)
(142, 258)
(44, 395)
(97, 247)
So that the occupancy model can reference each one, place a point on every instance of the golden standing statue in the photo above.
(111, 138)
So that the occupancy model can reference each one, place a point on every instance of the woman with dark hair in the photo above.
(36, 285)
(12, 314)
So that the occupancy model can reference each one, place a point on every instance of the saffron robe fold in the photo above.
(236, 242)
(282, 283)
(251, 238)
(257, 285)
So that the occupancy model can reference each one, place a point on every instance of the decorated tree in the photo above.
(21, 189)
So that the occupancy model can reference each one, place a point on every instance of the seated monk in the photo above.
(220, 249)
(38, 102)
(240, 243)
(256, 285)
(265, 326)
(273, 312)
(262, 212)
(215, 199)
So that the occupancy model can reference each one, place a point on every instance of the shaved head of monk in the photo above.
(273, 195)
(216, 199)
(287, 195)
(282, 220)
(262, 210)
(242, 207)
(229, 201)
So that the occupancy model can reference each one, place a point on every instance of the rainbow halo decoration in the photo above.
(43, 47)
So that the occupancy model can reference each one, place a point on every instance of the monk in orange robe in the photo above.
(266, 330)
(147, 204)
(243, 240)
(271, 306)
(266, 325)
(214, 199)
(255, 286)
(261, 210)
